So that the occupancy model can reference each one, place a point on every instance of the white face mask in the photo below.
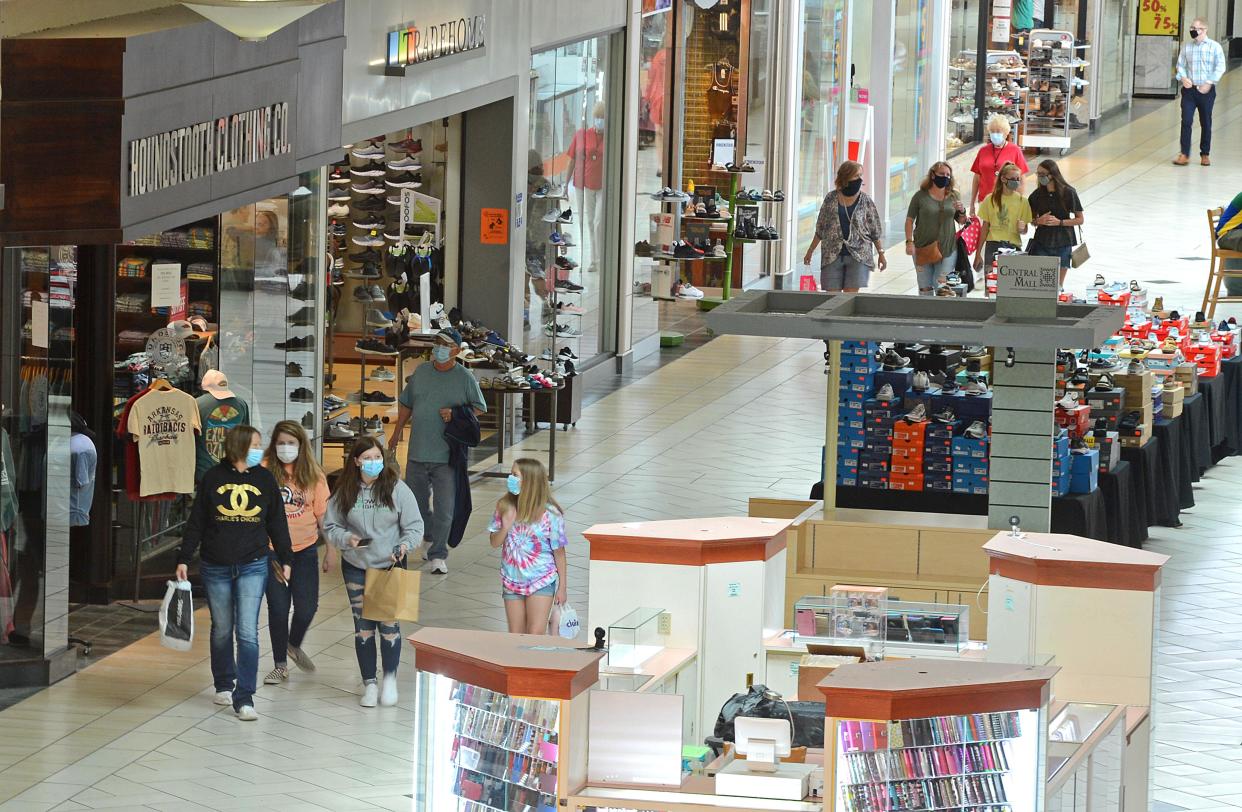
(287, 452)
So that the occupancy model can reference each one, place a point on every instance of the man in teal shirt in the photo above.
(429, 397)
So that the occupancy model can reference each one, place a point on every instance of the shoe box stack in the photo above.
(1062, 463)
(1134, 426)
(857, 379)
(969, 459)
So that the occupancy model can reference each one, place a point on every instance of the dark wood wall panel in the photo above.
(61, 69)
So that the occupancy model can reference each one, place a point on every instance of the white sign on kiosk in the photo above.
(1027, 277)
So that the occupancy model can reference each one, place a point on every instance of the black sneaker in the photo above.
(367, 187)
(378, 398)
(374, 345)
(405, 180)
(300, 291)
(339, 195)
(372, 169)
(339, 176)
(567, 286)
(303, 318)
(308, 421)
(891, 360)
(370, 221)
(296, 344)
(293, 370)
(369, 255)
(945, 415)
(684, 250)
(567, 264)
(371, 204)
(302, 395)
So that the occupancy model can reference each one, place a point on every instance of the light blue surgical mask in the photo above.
(599, 124)
(514, 484)
(1044, 179)
(440, 354)
(372, 468)
(998, 139)
(253, 457)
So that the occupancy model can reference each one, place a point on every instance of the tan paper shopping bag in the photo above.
(391, 595)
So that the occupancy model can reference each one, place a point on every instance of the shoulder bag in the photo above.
(1080, 254)
(930, 254)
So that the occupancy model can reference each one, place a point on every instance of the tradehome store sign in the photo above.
(415, 45)
(198, 150)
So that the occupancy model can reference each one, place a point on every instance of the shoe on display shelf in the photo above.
(338, 209)
(296, 344)
(1099, 281)
(918, 414)
(684, 250)
(718, 250)
(885, 393)
(890, 359)
(406, 180)
(557, 329)
(977, 430)
(670, 194)
(975, 387)
(293, 370)
(371, 240)
(562, 238)
(332, 402)
(921, 382)
(308, 422)
(1105, 382)
(744, 166)
(370, 255)
(339, 176)
(370, 221)
(952, 279)
(339, 431)
(566, 216)
(300, 291)
(377, 318)
(565, 286)
(563, 308)
(1136, 367)
(377, 398)
(944, 291)
(305, 317)
(369, 150)
(409, 163)
(372, 345)
(945, 415)
(371, 169)
(688, 291)
(1069, 400)
(370, 204)
(369, 187)
(410, 146)
(565, 263)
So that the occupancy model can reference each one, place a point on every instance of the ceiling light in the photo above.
(254, 20)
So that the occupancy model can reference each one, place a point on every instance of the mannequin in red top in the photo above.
(586, 171)
(995, 153)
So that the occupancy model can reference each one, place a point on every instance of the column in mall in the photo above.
(1020, 472)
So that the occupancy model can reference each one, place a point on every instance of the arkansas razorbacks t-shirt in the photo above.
(163, 423)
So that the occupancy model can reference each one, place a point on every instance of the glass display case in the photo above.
(634, 639)
(1086, 748)
(931, 626)
(981, 761)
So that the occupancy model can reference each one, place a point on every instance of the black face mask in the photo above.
(1194, 33)
(852, 188)
(941, 180)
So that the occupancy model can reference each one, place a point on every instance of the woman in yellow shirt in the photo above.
(1005, 215)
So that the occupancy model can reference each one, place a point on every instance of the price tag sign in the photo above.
(1159, 18)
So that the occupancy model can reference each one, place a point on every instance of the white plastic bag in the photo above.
(567, 625)
(177, 617)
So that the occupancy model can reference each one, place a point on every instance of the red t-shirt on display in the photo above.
(587, 150)
(989, 160)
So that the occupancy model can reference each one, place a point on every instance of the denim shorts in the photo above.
(543, 592)
(844, 272)
(1062, 252)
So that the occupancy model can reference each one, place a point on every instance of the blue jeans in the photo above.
(234, 593)
(365, 630)
(435, 490)
(1062, 252)
(303, 593)
(843, 272)
(1193, 100)
(932, 275)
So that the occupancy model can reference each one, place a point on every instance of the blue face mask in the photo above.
(997, 138)
(372, 468)
(440, 354)
(514, 484)
(1044, 180)
(599, 124)
(253, 457)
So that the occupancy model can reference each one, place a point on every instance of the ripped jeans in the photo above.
(365, 630)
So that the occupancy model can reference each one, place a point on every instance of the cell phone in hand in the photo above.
(364, 542)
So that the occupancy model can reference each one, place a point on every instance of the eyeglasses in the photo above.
(946, 175)
(1042, 175)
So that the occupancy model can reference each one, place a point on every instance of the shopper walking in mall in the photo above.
(1056, 212)
(845, 231)
(997, 152)
(373, 519)
(1199, 68)
(428, 399)
(304, 490)
(1004, 216)
(237, 514)
(931, 237)
(529, 528)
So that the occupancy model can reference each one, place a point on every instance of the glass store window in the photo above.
(908, 139)
(570, 292)
(822, 33)
(962, 109)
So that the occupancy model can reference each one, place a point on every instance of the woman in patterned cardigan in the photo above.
(847, 228)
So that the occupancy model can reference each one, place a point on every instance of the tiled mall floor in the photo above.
(735, 418)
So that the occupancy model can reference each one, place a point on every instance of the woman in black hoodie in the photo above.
(237, 511)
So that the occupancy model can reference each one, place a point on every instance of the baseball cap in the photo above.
(217, 384)
(450, 334)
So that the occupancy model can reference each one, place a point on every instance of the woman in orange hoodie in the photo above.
(304, 489)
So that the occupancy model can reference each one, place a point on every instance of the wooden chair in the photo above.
(1216, 268)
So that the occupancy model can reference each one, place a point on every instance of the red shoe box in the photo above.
(910, 453)
(1131, 331)
(1182, 325)
(1121, 299)
(1206, 357)
(908, 434)
(905, 466)
(1077, 420)
(902, 482)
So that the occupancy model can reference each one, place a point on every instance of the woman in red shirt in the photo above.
(997, 152)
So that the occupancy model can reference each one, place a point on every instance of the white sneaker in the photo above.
(688, 291)
(388, 695)
(921, 381)
(439, 566)
(370, 695)
(224, 698)
(246, 713)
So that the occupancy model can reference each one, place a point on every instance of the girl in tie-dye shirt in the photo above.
(529, 528)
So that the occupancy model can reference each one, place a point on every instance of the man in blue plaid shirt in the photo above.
(1199, 67)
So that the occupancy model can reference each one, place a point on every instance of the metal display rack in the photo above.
(1051, 63)
(1004, 74)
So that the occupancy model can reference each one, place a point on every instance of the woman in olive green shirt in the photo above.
(934, 212)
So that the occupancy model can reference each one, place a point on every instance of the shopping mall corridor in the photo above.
(737, 418)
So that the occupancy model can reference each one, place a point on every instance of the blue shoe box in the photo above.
(890, 409)
(941, 431)
(970, 447)
(884, 447)
(937, 481)
(847, 481)
(900, 379)
(970, 466)
(1060, 444)
(938, 464)
(857, 381)
(850, 443)
(884, 433)
(858, 363)
(1061, 484)
(879, 481)
(1085, 461)
(1084, 483)
(970, 483)
(973, 407)
(850, 412)
(851, 432)
(852, 347)
(851, 418)
(852, 400)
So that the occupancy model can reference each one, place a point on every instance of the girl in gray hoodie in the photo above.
(373, 520)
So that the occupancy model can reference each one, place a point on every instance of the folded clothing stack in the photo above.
(135, 267)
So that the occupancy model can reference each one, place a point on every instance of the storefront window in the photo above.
(962, 88)
(37, 344)
(569, 292)
(822, 32)
(908, 138)
(1114, 56)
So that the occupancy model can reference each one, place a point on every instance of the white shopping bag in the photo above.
(567, 624)
(177, 617)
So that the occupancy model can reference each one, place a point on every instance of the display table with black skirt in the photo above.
(1120, 498)
(1081, 514)
(1195, 434)
(1178, 494)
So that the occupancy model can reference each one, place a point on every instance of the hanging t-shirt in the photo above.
(216, 418)
(8, 488)
(163, 423)
(83, 458)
